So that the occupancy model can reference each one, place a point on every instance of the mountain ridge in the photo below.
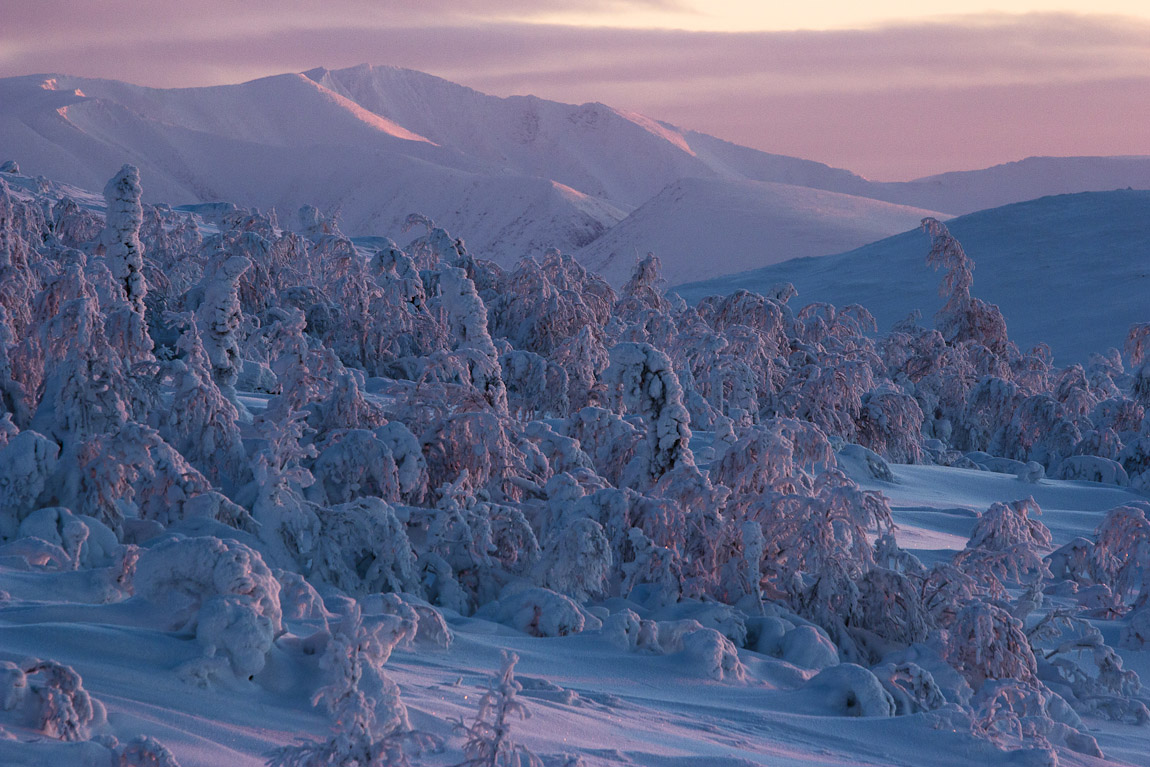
(376, 143)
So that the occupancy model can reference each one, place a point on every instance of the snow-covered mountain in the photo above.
(962, 192)
(1070, 270)
(517, 175)
(703, 227)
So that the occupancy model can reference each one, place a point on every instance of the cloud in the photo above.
(817, 94)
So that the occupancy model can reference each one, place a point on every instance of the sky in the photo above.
(892, 90)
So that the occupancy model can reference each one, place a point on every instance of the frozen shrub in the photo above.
(86, 390)
(1072, 561)
(411, 466)
(1091, 468)
(725, 619)
(610, 441)
(354, 463)
(986, 642)
(535, 386)
(345, 407)
(627, 631)
(220, 317)
(475, 447)
(489, 741)
(231, 626)
(1073, 653)
(467, 318)
(52, 696)
(714, 655)
(430, 627)
(1007, 543)
(577, 559)
(890, 423)
(761, 460)
(298, 599)
(584, 357)
(370, 726)
(863, 464)
(180, 575)
(643, 382)
(850, 690)
(808, 647)
(889, 610)
(288, 523)
(1136, 633)
(1138, 350)
(962, 317)
(652, 573)
(911, 686)
(362, 548)
(27, 462)
(1031, 472)
(145, 751)
(204, 428)
(132, 473)
(541, 612)
(88, 542)
(1121, 553)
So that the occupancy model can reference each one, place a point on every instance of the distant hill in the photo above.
(1070, 270)
(703, 227)
(513, 176)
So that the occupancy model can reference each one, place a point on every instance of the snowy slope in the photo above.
(586, 697)
(1070, 270)
(703, 227)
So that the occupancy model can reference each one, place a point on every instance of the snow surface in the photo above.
(1070, 270)
(586, 696)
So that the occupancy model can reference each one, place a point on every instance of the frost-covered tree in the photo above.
(370, 725)
(85, 392)
(962, 317)
(890, 423)
(220, 317)
(204, 428)
(467, 318)
(121, 236)
(489, 742)
(1138, 349)
(642, 381)
(986, 642)
(1007, 544)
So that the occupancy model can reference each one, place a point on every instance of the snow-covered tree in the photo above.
(220, 317)
(121, 235)
(489, 742)
(642, 381)
(962, 317)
